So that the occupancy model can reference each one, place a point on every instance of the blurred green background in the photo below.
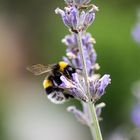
(31, 33)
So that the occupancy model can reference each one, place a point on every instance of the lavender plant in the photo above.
(87, 86)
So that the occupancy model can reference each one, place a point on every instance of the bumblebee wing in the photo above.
(39, 69)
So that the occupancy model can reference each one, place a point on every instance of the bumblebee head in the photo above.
(47, 83)
(62, 65)
(66, 69)
(70, 69)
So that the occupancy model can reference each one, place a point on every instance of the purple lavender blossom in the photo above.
(87, 18)
(83, 116)
(136, 33)
(69, 16)
(98, 85)
(73, 57)
(101, 84)
(74, 20)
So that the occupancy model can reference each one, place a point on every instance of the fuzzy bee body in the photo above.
(52, 81)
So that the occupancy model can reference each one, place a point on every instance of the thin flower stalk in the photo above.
(95, 124)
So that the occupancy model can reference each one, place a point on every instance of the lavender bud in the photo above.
(89, 18)
(69, 16)
(68, 40)
(101, 84)
(93, 57)
(76, 62)
(60, 11)
(81, 117)
(96, 66)
(95, 8)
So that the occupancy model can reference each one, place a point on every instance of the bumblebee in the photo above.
(52, 81)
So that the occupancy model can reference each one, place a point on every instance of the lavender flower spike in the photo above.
(101, 84)
(69, 16)
(84, 84)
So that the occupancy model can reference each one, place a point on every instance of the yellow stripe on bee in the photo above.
(47, 83)
(62, 65)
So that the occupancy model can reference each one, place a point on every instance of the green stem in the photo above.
(95, 123)
(94, 127)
